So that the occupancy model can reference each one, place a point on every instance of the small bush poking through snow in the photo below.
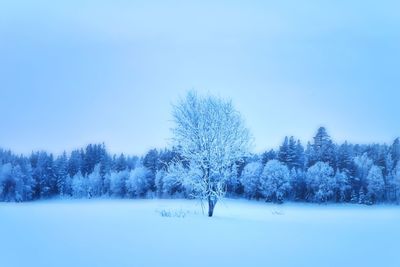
(174, 213)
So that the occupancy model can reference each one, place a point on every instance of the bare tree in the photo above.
(211, 137)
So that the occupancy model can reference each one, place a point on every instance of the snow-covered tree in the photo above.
(342, 186)
(376, 185)
(362, 166)
(95, 182)
(118, 182)
(395, 150)
(345, 158)
(322, 149)
(396, 182)
(268, 155)
(210, 134)
(320, 182)
(297, 184)
(274, 181)
(173, 182)
(75, 162)
(61, 173)
(250, 179)
(291, 153)
(79, 186)
(158, 181)
(139, 182)
(7, 183)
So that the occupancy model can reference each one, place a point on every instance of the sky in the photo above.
(74, 72)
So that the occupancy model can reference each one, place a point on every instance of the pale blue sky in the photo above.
(74, 72)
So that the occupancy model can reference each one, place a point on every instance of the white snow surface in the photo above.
(129, 233)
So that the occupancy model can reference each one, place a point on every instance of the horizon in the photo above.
(128, 154)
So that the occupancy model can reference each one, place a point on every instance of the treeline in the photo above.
(323, 171)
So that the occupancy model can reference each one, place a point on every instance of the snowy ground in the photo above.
(122, 233)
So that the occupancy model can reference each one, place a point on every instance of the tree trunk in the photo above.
(211, 205)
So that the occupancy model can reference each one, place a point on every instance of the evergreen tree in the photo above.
(345, 161)
(151, 163)
(61, 173)
(268, 155)
(395, 150)
(299, 156)
(283, 153)
(75, 163)
(120, 163)
(288, 152)
(322, 149)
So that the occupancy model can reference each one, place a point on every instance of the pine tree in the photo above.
(345, 159)
(75, 163)
(268, 155)
(300, 156)
(323, 149)
(61, 172)
(283, 153)
(120, 163)
(151, 162)
(395, 150)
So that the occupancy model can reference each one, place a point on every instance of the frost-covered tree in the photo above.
(210, 134)
(250, 179)
(396, 182)
(139, 182)
(151, 162)
(300, 156)
(297, 184)
(375, 183)
(79, 186)
(173, 181)
(61, 173)
(274, 181)
(291, 153)
(120, 163)
(320, 182)
(362, 166)
(75, 162)
(7, 183)
(95, 182)
(158, 181)
(345, 156)
(395, 150)
(44, 175)
(342, 186)
(118, 182)
(322, 149)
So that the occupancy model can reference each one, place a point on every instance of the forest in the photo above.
(322, 171)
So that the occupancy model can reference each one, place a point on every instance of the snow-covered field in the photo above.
(128, 233)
